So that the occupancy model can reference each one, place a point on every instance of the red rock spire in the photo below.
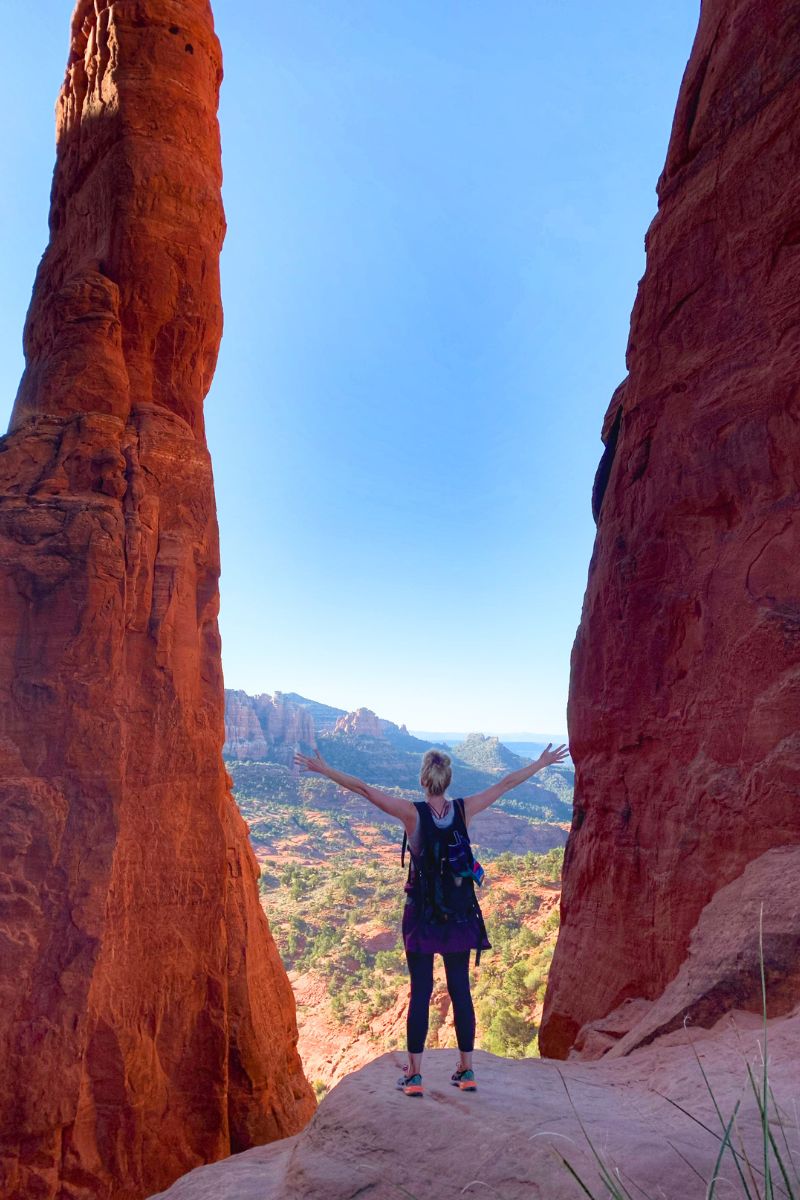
(126, 307)
(684, 702)
(146, 1022)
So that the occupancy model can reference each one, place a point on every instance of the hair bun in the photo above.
(435, 774)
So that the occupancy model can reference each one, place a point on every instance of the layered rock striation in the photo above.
(265, 727)
(146, 1023)
(270, 728)
(684, 704)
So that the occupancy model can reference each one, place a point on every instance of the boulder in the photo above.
(752, 923)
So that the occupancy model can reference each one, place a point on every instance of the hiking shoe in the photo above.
(411, 1085)
(464, 1080)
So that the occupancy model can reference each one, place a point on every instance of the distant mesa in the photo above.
(488, 753)
(517, 737)
(364, 723)
(263, 725)
(270, 728)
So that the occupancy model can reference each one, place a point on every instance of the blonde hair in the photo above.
(435, 773)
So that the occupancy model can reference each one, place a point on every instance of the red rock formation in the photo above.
(286, 722)
(755, 917)
(361, 723)
(685, 694)
(244, 733)
(146, 1023)
(265, 727)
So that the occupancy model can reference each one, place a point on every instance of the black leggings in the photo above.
(456, 966)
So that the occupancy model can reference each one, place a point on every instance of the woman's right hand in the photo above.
(550, 758)
(315, 762)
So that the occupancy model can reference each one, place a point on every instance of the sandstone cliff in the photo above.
(146, 1023)
(684, 702)
(265, 727)
(245, 738)
(324, 716)
(683, 870)
(361, 723)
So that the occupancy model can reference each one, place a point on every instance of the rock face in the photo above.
(146, 1023)
(245, 738)
(756, 916)
(265, 727)
(324, 716)
(684, 704)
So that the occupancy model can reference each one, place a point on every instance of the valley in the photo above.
(332, 880)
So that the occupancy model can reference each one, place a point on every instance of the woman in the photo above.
(440, 917)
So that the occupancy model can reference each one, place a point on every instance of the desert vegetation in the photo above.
(332, 886)
(341, 919)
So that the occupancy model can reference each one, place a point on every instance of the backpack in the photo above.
(446, 856)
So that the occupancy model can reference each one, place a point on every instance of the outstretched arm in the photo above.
(395, 806)
(477, 803)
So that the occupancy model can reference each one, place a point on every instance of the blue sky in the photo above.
(436, 217)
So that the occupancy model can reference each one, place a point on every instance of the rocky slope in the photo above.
(146, 1022)
(685, 690)
(510, 1138)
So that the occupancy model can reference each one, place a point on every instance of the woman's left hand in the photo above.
(315, 762)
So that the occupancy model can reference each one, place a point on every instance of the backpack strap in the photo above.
(405, 837)
(483, 935)
(426, 822)
(462, 812)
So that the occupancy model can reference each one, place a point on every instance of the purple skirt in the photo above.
(451, 937)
